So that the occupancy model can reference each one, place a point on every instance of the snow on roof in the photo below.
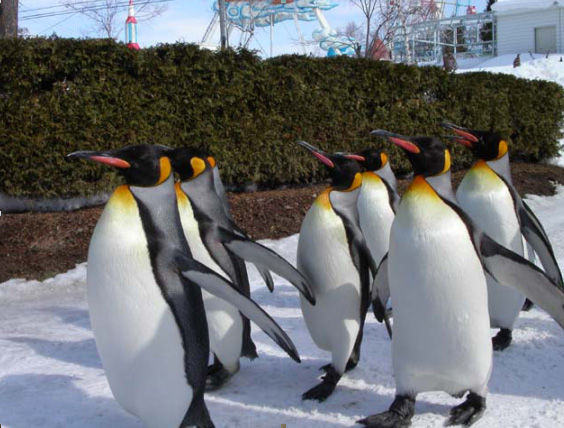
(510, 6)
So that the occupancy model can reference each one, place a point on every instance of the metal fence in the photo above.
(466, 36)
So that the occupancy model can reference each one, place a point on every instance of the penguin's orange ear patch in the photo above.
(447, 162)
(165, 169)
(198, 165)
(384, 158)
(502, 149)
(211, 161)
(115, 162)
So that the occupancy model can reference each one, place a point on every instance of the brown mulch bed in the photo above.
(40, 245)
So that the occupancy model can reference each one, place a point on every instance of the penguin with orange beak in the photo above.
(334, 258)
(487, 194)
(378, 200)
(436, 273)
(216, 242)
(144, 292)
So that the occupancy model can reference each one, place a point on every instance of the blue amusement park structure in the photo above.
(245, 15)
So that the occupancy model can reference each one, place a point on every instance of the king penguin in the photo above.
(436, 273)
(487, 194)
(215, 243)
(334, 257)
(144, 295)
(377, 202)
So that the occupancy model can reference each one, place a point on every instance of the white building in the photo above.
(529, 25)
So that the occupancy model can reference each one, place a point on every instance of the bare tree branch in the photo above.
(109, 18)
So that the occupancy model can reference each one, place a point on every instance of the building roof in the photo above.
(516, 6)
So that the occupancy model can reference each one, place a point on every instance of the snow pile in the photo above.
(51, 375)
(533, 68)
(509, 6)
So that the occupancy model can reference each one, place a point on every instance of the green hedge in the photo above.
(61, 95)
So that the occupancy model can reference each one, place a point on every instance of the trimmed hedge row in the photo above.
(61, 95)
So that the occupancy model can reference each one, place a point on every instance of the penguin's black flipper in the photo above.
(510, 269)
(266, 277)
(534, 233)
(205, 278)
(381, 294)
(263, 272)
(258, 254)
(392, 195)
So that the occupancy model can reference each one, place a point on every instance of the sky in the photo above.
(187, 21)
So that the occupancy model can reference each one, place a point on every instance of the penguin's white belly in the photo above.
(136, 335)
(376, 216)
(441, 335)
(324, 259)
(487, 200)
(225, 325)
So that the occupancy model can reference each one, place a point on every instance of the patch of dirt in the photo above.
(40, 245)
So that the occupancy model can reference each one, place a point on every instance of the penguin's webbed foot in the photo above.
(217, 377)
(197, 415)
(527, 306)
(387, 419)
(468, 412)
(322, 391)
(502, 339)
(399, 416)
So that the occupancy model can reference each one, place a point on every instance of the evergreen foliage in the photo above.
(62, 95)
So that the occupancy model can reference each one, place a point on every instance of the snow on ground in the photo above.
(51, 375)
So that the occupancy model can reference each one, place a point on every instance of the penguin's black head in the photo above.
(189, 163)
(342, 169)
(428, 155)
(370, 159)
(486, 145)
(141, 165)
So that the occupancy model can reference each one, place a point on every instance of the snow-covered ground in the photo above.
(51, 375)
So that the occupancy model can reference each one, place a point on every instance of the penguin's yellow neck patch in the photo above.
(122, 199)
(181, 197)
(211, 161)
(165, 169)
(420, 188)
(369, 176)
(198, 165)
(481, 171)
(323, 199)
(502, 149)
